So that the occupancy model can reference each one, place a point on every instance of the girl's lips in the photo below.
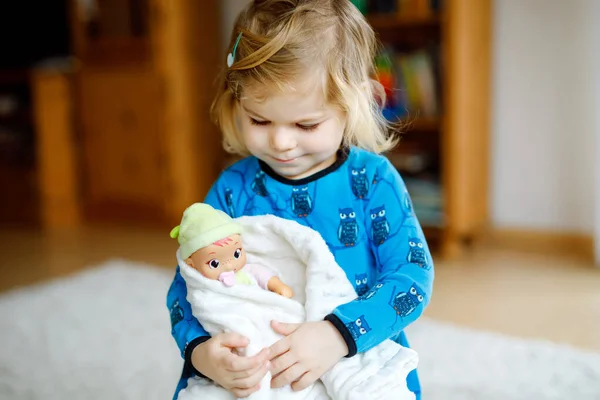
(279, 160)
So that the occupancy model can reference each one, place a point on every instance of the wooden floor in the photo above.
(541, 294)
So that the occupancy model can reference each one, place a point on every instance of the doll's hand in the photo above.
(285, 291)
(305, 354)
(275, 285)
(217, 360)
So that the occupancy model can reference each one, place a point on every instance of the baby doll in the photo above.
(211, 243)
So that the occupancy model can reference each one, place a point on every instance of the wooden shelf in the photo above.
(399, 21)
(421, 125)
(459, 39)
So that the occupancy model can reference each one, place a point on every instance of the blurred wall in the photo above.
(229, 11)
(544, 114)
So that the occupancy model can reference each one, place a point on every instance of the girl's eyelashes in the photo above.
(259, 123)
(307, 128)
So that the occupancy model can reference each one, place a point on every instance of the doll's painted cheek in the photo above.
(227, 278)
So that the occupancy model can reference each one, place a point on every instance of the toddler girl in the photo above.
(297, 99)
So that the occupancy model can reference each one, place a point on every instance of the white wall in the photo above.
(229, 12)
(544, 107)
(592, 12)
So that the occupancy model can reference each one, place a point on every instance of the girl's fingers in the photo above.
(253, 379)
(288, 376)
(235, 363)
(243, 393)
(283, 362)
(305, 381)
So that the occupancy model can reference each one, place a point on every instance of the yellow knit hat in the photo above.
(201, 226)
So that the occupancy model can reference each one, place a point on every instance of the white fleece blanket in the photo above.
(300, 257)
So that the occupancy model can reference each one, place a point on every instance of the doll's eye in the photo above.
(214, 263)
(237, 253)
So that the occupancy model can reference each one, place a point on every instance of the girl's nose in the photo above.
(282, 140)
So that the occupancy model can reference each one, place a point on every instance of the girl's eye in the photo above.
(259, 123)
(237, 253)
(214, 263)
(308, 128)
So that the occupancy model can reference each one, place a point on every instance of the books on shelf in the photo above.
(410, 83)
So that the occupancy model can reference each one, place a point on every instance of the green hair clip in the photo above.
(231, 56)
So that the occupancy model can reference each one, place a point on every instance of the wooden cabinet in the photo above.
(142, 92)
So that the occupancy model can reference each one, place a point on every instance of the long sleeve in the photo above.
(185, 328)
(405, 269)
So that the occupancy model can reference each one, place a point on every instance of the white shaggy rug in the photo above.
(104, 334)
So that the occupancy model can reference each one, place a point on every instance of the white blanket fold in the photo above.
(300, 257)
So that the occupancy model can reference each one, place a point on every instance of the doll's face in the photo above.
(223, 256)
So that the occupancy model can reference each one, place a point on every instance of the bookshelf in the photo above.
(435, 66)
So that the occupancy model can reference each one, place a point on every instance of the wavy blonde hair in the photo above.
(282, 39)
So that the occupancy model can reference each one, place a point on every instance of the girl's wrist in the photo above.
(344, 333)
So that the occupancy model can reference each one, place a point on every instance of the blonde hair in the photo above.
(281, 39)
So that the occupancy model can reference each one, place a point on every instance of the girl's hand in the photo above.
(305, 354)
(216, 359)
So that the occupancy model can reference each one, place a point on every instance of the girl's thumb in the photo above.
(284, 328)
(232, 339)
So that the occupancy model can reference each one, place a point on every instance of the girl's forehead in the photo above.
(306, 84)
(296, 100)
(286, 105)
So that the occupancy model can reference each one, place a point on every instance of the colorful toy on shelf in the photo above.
(386, 75)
